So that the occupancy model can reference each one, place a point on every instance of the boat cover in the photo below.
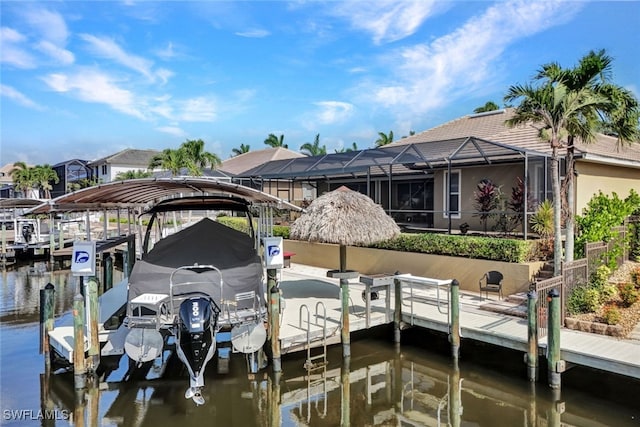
(205, 243)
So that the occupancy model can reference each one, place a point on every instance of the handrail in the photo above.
(425, 282)
(192, 267)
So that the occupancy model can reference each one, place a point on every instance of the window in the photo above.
(454, 194)
(104, 169)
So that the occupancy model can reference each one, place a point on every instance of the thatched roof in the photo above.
(344, 217)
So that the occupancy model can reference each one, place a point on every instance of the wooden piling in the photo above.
(397, 314)
(107, 272)
(93, 311)
(454, 324)
(554, 364)
(79, 366)
(275, 418)
(47, 303)
(345, 330)
(532, 336)
(274, 318)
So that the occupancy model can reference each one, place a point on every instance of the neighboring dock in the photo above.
(426, 308)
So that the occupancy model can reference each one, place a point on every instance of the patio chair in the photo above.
(491, 282)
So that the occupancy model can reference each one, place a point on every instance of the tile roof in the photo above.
(129, 156)
(246, 161)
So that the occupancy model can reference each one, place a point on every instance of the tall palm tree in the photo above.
(618, 114)
(197, 158)
(384, 139)
(24, 179)
(275, 141)
(132, 174)
(169, 159)
(558, 109)
(43, 176)
(241, 150)
(354, 147)
(488, 106)
(313, 149)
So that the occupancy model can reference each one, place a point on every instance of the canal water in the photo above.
(415, 384)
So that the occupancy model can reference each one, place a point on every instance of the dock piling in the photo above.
(345, 330)
(274, 317)
(555, 365)
(532, 335)
(397, 313)
(92, 308)
(47, 302)
(79, 367)
(454, 324)
(107, 272)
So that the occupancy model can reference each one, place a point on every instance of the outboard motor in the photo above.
(27, 232)
(198, 318)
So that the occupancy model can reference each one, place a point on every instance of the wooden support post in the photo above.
(47, 303)
(274, 317)
(397, 314)
(454, 324)
(107, 272)
(52, 239)
(554, 364)
(79, 366)
(532, 335)
(92, 309)
(345, 331)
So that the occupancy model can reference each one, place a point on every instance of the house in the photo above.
(69, 172)
(107, 168)
(292, 191)
(429, 180)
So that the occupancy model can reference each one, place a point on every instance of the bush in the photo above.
(600, 276)
(611, 315)
(629, 294)
(583, 299)
(635, 277)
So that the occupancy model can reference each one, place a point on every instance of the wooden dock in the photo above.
(304, 285)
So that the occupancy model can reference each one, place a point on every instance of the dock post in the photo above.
(345, 330)
(47, 302)
(454, 324)
(107, 272)
(275, 419)
(79, 367)
(555, 365)
(4, 245)
(52, 240)
(532, 335)
(274, 317)
(397, 313)
(92, 308)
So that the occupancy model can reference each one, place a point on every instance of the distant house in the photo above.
(107, 168)
(69, 172)
(285, 189)
(429, 180)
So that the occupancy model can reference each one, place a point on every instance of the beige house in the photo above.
(429, 180)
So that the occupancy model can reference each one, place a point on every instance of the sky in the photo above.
(88, 79)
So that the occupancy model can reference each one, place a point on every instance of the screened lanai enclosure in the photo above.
(427, 186)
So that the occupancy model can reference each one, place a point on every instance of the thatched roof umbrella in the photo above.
(345, 217)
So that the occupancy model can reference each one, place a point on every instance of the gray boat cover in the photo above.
(204, 243)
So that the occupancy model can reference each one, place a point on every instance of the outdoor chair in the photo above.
(491, 282)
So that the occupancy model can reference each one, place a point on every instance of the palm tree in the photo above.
(241, 150)
(354, 147)
(275, 142)
(558, 109)
(384, 139)
(169, 159)
(43, 176)
(488, 106)
(197, 158)
(24, 179)
(133, 174)
(313, 149)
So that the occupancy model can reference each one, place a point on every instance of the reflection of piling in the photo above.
(78, 409)
(47, 303)
(454, 309)
(107, 272)
(274, 317)
(532, 411)
(79, 368)
(532, 352)
(555, 365)
(46, 404)
(397, 313)
(556, 409)
(274, 401)
(92, 307)
(345, 382)
(455, 396)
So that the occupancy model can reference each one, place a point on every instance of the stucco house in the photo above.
(429, 180)
(107, 168)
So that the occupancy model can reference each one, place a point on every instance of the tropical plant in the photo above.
(275, 141)
(132, 174)
(169, 159)
(384, 139)
(24, 179)
(43, 176)
(241, 150)
(313, 149)
(354, 147)
(517, 202)
(486, 200)
(197, 158)
(488, 106)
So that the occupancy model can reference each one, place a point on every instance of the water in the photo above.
(415, 384)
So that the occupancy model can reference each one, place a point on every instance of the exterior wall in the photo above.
(595, 176)
(468, 272)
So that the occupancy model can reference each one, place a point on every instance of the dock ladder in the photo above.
(321, 358)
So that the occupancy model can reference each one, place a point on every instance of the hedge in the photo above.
(240, 224)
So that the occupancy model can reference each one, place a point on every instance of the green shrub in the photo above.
(629, 294)
(600, 276)
(611, 315)
(635, 277)
(281, 230)
(583, 299)
(608, 292)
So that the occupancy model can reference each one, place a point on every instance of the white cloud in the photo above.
(199, 109)
(173, 131)
(50, 25)
(254, 33)
(19, 98)
(427, 76)
(95, 86)
(63, 56)
(388, 20)
(12, 52)
(333, 112)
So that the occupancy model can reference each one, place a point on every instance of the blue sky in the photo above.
(88, 79)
